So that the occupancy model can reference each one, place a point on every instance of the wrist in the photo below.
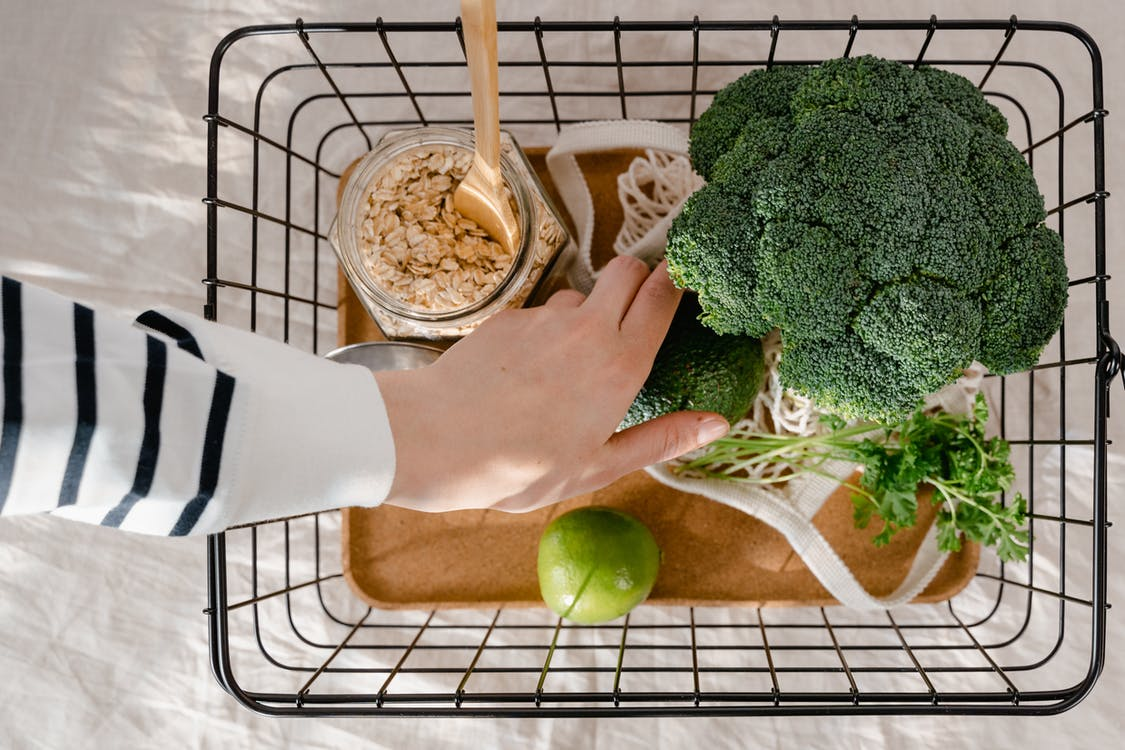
(404, 397)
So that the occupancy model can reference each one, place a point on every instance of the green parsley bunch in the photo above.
(949, 452)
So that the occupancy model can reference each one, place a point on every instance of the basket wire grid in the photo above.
(288, 638)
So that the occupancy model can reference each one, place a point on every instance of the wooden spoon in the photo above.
(480, 196)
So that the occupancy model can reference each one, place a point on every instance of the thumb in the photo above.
(660, 439)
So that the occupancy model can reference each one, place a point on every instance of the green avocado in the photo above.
(701, 370)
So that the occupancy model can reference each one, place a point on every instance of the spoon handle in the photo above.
(478, 21)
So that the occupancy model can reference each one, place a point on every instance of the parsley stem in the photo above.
(758, 448)
(947, 451)
(985, 508)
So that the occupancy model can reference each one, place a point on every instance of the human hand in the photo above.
(522, 413)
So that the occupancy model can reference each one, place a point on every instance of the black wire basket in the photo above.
(298, 102)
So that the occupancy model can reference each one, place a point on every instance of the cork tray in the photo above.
(713, 555)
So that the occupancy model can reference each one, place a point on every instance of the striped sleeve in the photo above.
(174, 425)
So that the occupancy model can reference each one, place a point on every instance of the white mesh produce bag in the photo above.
(651, 193)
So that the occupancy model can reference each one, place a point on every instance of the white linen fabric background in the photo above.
(102, 164)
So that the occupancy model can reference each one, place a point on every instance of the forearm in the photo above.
(184, 427)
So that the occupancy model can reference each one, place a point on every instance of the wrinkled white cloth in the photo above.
(102, 165)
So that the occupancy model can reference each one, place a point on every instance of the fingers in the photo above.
(654, 441)
(661, 439)
(616, 286)
(565, 298)
(653, 307)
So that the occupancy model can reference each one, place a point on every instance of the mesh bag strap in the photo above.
(609, 135)
(793, 518)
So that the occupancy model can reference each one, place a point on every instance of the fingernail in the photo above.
(712, 428)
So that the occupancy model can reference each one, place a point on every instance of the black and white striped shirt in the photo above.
(170, 424)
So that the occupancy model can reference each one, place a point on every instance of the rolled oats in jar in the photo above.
(420, 268)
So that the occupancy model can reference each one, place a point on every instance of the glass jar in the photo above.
(537, 265)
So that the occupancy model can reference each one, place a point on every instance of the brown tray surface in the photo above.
(713, 554)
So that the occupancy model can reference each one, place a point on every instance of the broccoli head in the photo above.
(876, 215)
(699, 369)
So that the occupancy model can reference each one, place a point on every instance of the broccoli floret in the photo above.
(867, 86)
(809, 280)
(1005, 188)
(755, 96)
(1024, 303)
(960, 96)
(713, 253)
(851, 379)
(878, 217)
(867, 188)
(743, 169)
(926, 325)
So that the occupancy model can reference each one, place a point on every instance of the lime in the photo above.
(596, 564)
